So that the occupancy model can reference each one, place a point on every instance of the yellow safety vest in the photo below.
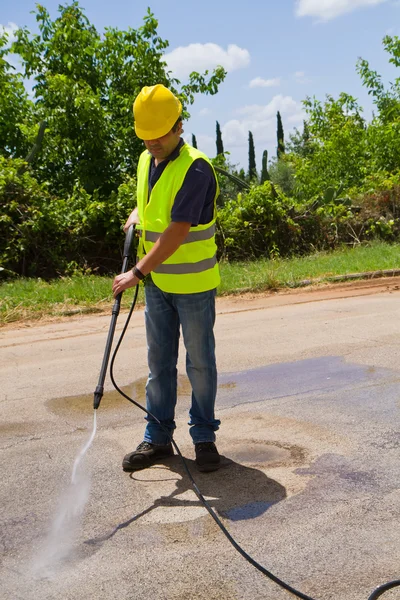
(193, 266)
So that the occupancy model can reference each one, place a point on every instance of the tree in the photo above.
(84, 86)
(300, 143)
(252, 174)
(194, 141)
(339, 147)
(220, 145)
(84, 83)
(280, 136)
(16, 110)
(264, 171)
(384, 130)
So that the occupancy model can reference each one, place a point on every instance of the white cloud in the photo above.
(204, 112)
(205, 143)
(9, 29)
(325, 10)
(199, 57)
(259, 82)
(261, 121)
(300, 77)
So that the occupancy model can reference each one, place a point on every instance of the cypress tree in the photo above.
(252, 159)
(220, 145)
(194, 141)
(280, 136)
(264, 171)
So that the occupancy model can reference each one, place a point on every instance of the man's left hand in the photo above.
(123, 282)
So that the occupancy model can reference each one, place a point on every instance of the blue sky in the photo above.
(276, 53)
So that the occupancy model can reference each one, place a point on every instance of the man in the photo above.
(176, 211)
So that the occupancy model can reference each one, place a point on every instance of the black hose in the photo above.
(376, 594)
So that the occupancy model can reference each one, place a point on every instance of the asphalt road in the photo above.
(309, 399)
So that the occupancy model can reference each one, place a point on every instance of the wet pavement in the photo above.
(309, 399)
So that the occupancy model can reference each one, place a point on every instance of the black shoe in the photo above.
(207, 457)
(145, 455)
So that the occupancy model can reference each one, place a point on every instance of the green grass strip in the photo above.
(27, 299)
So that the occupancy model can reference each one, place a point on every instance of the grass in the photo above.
(273, 274)
(29, 299)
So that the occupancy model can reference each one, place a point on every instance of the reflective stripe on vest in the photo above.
(186, 268)
(192, 236)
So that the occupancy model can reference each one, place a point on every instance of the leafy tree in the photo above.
(282, 174)
(280, 136)
(252, 173)
(84, 87)
(264, 171)
(16, 111)
(384, 131)
(340, 151)
(219, 143)
(300, 143)
(194, 141)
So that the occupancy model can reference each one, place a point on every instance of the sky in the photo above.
(276, 52)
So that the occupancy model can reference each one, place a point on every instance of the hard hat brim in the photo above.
(153, 134)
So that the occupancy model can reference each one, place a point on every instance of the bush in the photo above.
(28, 223)
(255, 224)
(378, 215)
(282, 173)
(45, 236)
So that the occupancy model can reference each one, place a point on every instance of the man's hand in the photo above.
(123, 282)
(133, 218)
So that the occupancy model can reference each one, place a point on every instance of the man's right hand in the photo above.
(133, 218)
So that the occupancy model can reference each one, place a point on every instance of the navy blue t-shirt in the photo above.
(194, 203)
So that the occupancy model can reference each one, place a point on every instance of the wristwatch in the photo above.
(138, 273)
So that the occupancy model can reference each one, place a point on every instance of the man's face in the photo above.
(162, 147)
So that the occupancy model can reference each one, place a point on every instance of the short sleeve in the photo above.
(194, 203)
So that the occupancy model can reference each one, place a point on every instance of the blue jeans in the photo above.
(164, 314)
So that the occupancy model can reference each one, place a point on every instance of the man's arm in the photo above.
(165, 246)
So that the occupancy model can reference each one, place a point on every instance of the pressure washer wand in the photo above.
(99, 391)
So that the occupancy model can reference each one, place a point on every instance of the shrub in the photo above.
(45, 236)
(255, 224)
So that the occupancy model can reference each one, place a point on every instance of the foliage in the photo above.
(15, 108)
(337, 181)
(282, 173)
(28, 222)
(229, 186)
(194, 141)
(45, 235)
(255, 224)
(252, 173)
(339, 147)
(264, 169)
(219, 143)
(84, 87)
(300, 143)
(280, 136)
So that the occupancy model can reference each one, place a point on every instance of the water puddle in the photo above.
(113, 400)
(259, 453)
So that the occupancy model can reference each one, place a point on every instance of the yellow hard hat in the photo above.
(156, 111)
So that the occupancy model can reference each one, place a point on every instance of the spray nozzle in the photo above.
(98, 394)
